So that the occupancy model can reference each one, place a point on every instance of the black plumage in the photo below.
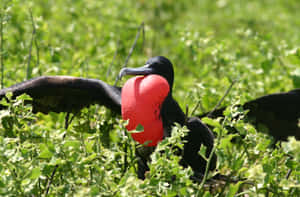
(71, 94)
(278, 113)
(66, 94)
(171, 112)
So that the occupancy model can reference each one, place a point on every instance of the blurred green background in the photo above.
(210, 43)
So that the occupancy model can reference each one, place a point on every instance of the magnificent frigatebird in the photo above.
(277, 114)
(71, 94)
(170, 112)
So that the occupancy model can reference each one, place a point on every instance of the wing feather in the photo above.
(279, 112)
(67, 94)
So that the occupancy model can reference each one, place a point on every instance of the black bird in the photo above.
(278, 112)
(71, 94)
(171, 112)
(66, 94)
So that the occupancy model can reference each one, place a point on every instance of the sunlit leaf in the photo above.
(45, 153)
(35, 173)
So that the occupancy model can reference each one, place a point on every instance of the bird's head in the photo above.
(158, 65)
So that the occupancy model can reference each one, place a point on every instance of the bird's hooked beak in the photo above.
(145, 70)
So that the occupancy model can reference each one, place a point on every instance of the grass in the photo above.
(211, 44)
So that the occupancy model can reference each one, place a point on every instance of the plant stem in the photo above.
(51, 179)
(211, 155)
(1, 48)
(112, 62)
(37, 56)
(67, 122)
(221, 100)
(132, 48)
(134, 44)
(196, 107)
(28, 73)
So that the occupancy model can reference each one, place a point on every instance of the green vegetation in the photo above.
(211, 44)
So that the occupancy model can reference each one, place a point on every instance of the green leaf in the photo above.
(202, 152)
(9, 95)
(296, 78)
(25, 182)
(171, 193)
(4, 102)
(2, 184)
(139, 128)
(45, 153)
(56, 161)
(89, 159)
(233, 189)
(24, 97)
(207, 194)
(211, 122)
(267, 65)
(89, 146)
(35, 173)
(94, 191)
(73, 144)
(268, 168)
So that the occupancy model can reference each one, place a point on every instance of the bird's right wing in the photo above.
(279, 112)
(283, 106)
(66, 94)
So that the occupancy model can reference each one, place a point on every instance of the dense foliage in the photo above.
(211, 44)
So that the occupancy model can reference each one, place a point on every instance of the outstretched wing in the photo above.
(67, 94)
(279, 112)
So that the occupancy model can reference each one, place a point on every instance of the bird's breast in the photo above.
(141, 100)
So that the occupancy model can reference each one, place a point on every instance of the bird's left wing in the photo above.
(66, 94)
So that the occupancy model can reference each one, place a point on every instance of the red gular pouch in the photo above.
(141, 101)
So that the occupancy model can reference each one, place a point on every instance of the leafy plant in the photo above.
(211, 44)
